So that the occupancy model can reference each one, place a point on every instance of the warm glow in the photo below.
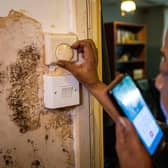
(128, 6)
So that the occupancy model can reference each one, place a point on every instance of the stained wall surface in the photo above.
(31, 135)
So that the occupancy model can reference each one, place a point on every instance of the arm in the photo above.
(99, 90)
(128, 146)
(86, 73)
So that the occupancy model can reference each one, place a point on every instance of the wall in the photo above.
(55, 141)
(153, 18)
(55, 16)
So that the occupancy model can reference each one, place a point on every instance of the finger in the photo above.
(92, 44)
(126, 129)
(67, 65)
(94, 49)
(116, 80)
(78, 44)
(87, 47)
(121, 131)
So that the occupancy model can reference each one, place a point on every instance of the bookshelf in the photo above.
(126, 45)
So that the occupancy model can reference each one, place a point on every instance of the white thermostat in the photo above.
(60, 91)
(58, 47)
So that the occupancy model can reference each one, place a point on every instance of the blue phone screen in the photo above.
(132, 103)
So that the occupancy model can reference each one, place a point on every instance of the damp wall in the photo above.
(32, 136)
(55, 16)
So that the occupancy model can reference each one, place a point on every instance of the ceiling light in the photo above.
(128, 6)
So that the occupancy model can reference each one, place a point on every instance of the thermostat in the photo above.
(64, 52)
(58, 47)
(60, 91)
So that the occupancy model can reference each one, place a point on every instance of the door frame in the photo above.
(88, 19)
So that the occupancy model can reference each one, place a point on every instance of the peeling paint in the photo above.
(22, 74)
(59, 119)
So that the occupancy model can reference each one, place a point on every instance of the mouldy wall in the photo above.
(31, 136)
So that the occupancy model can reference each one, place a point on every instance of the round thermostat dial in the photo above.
(64, 52)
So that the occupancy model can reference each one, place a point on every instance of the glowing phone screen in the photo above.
(131, 102)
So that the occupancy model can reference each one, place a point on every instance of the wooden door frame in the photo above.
(96, 111)
(88, 13)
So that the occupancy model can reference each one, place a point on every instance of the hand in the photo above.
(85, 72)
(130, 151)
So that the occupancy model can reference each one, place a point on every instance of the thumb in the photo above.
(67, 65)
(121, 130)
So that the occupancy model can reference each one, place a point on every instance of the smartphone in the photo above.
(131, 103)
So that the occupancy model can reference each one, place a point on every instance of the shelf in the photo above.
(130, 62)
(128, 25)
(132, 43)
(126, 45)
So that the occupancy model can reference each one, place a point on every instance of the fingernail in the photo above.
(60, 64)
(122, 123)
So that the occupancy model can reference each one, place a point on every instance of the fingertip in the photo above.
(121, 122)
(81, 43)
(70, 66)
(61, 63)
(76, 44)
(121, 131)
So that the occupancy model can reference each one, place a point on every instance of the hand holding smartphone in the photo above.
(131, 103)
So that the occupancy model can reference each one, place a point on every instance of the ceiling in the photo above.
(142, 3)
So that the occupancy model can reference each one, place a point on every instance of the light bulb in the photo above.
(128, 6)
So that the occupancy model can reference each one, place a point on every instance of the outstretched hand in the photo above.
(130, 151)
(86, 72)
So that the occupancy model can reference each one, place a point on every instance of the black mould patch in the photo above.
(36, 164)
(2, 80)
(23, 96)
(34, 146)
(46, 137)
(2, 76)
(60, 120)
(30, 141)
(65, 150)
(8, 160)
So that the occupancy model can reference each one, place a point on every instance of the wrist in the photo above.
(99, 91)
(96, 87)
